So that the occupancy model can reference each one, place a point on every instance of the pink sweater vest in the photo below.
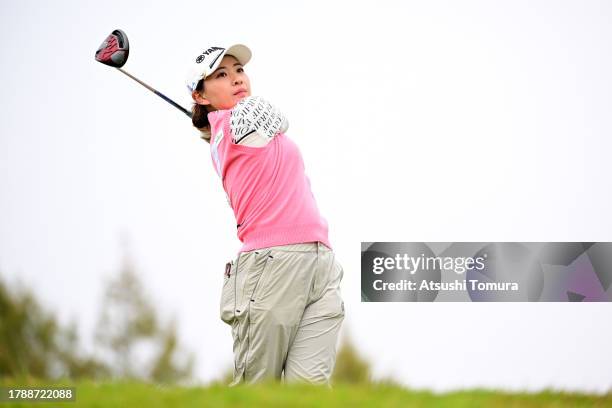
(267, 189)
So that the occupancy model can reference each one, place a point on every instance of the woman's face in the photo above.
(225, 87)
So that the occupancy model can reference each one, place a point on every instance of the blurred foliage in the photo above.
(129, 322)
(351, 367)
(165, 370)
(127, 318)
(34, 345)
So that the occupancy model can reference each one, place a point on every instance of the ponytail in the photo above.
(199, 117)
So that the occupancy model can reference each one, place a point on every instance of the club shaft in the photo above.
(161, 95)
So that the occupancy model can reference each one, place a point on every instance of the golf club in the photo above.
(114, 52)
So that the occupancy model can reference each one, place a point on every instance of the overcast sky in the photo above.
(418, 121)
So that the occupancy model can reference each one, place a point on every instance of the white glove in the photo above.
(255, 121)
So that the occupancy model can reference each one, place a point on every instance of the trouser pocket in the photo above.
(250, 273)
(228, 294)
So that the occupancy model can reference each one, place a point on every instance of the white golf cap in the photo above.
(207, 61)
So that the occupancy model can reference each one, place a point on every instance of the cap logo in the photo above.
(207, 52)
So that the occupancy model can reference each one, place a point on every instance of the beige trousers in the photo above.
(285, 309)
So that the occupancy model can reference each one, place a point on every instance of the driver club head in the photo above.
(114, 50)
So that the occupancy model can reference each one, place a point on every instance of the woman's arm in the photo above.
(255, 121)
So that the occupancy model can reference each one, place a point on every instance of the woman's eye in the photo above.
(221, 75)
(240, 69)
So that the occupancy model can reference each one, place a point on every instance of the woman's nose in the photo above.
(237, 80)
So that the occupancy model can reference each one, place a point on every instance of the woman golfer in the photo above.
(281, 295)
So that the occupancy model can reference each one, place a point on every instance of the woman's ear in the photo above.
(199, 99)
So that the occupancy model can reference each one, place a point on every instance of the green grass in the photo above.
(133, 394)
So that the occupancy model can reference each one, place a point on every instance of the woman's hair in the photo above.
(199, 117)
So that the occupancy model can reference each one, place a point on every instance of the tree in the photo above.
(166, 369)
(34, 344)
(350, 366)
(128, 325)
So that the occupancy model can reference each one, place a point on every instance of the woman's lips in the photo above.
(241, 93)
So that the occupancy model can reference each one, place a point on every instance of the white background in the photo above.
(417, 121)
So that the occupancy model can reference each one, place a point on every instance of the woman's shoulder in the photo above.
(219, 121)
